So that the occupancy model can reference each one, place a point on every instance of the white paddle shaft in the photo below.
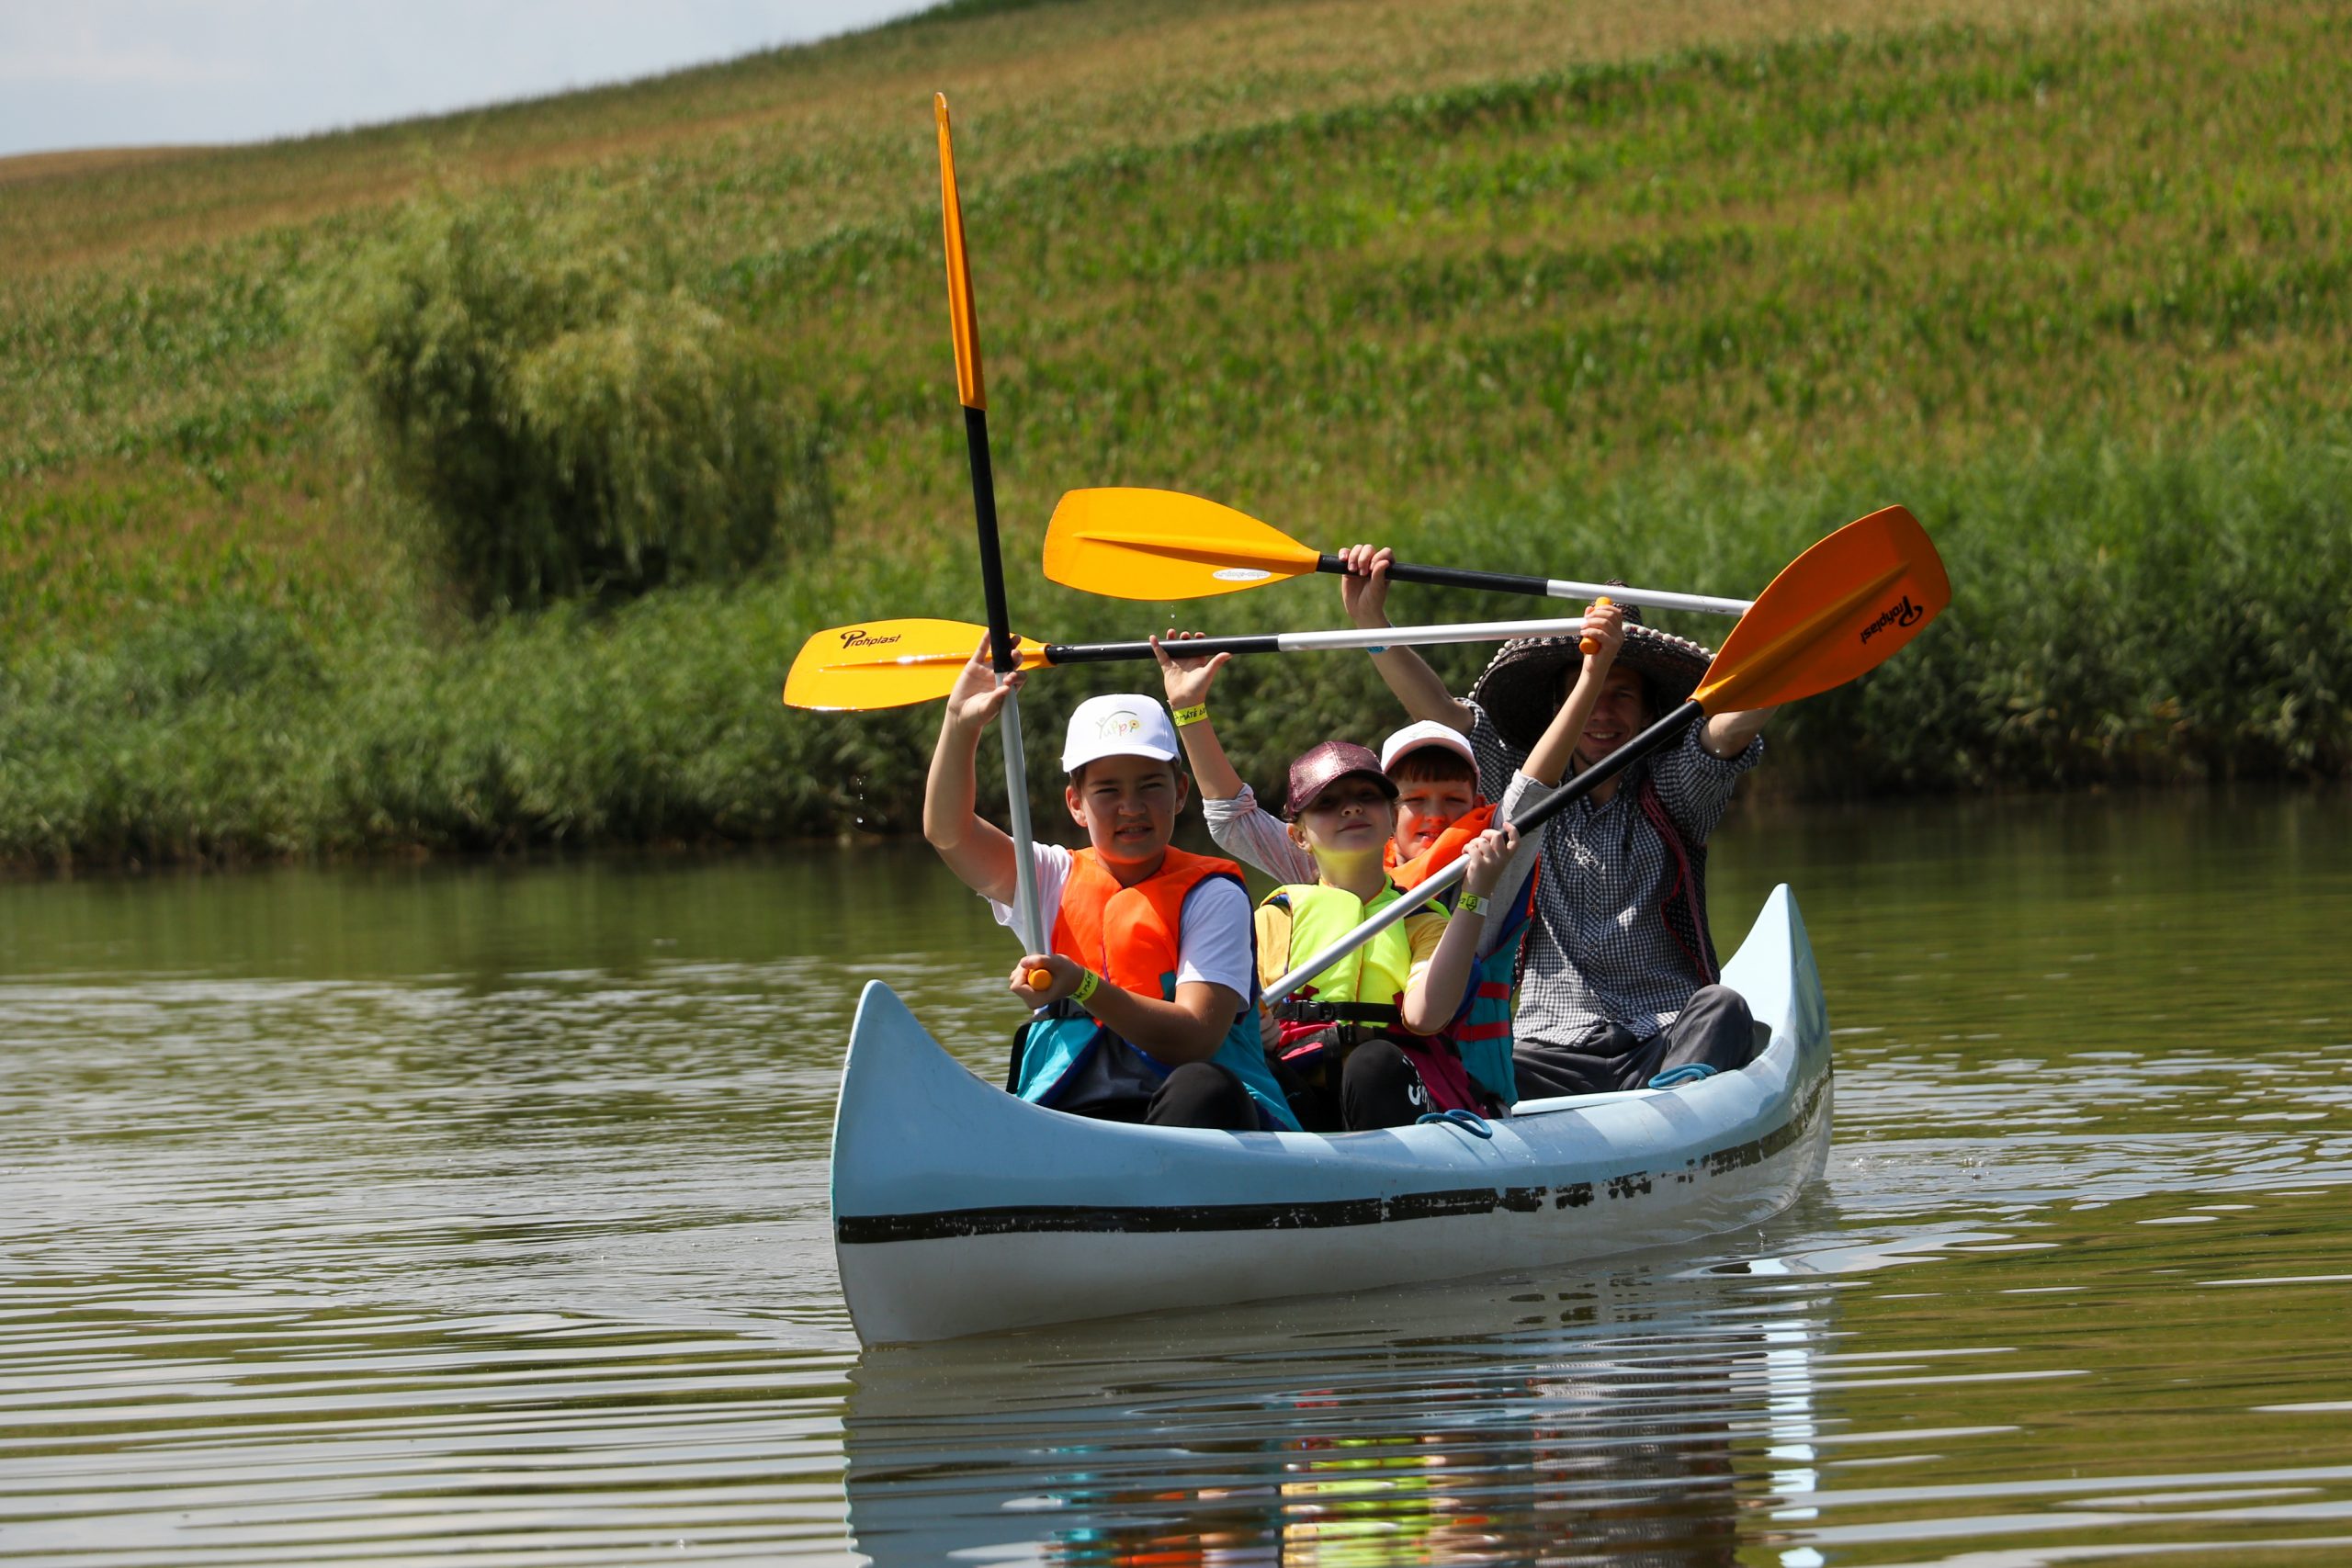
(1417, 636)
(1648, 598)
(1029, 920)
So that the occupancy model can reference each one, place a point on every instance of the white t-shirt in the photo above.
(1212, 944)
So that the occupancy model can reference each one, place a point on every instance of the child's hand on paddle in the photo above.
(978, 693)
(1486, 855)
(1363, 591)
(1062, 975)
(1604, 634)
(1188, 680)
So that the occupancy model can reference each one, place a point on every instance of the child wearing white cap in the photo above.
(1147, 1001)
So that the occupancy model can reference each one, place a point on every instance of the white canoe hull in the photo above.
(958, 1209)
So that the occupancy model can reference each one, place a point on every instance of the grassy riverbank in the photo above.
(1657, 295)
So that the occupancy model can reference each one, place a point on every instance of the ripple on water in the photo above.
(495, 1230)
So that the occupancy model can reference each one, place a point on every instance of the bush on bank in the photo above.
(569, 418)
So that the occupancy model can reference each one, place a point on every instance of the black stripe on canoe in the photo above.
(1041, 1219)
(1331, 1214)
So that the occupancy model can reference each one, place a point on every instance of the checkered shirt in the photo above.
(1598, 949)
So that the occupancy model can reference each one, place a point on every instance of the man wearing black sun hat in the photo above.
(1619, 982)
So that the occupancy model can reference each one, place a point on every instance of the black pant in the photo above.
(1202, 1094)
(1198, 1094)
(1380, 1088)
(1715, 1027)
(1378, 1085)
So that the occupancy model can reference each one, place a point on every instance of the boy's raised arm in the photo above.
(979, 851)
(1363, 594)
(1188, 682)
(1251, 834)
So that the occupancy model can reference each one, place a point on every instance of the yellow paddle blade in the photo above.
(888, 664)
(1835, 611)
(1158, 543)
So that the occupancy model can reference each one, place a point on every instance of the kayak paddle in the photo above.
(1126, 542)
(887, 664)
(964, 329)
(1838, 610)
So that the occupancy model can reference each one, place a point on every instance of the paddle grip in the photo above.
(1591, 645)
(1450, 577)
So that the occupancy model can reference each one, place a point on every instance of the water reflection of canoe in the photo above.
(1640, 1412)
(959, 1210)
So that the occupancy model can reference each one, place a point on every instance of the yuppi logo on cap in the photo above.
(1124, 724)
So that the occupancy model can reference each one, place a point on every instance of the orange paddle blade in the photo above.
(963, 319)
(888, 664)
(1158, 543)
(1835, 611)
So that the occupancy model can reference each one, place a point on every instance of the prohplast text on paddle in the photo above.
(1905, 614)
(859, 638)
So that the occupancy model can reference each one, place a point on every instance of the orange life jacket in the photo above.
(1441, 854)
(1130, 935)
(1482, 1032)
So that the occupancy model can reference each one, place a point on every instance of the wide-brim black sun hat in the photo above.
(1521, 687)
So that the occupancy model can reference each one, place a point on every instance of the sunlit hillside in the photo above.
(1661, 290)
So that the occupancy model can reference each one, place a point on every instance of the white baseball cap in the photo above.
(1427, 732)
(1119, 725)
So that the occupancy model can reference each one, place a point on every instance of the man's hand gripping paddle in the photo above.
(1837, 610)
(1160, 545)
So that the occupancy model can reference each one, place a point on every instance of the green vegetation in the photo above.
(1664, 306)
(565, 416)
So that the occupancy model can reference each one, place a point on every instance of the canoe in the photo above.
(958, 1209)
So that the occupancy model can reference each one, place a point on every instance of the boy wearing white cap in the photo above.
(1147, 1001)
(1439, 807)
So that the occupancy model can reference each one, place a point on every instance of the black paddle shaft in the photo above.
(1450, 577)
(1190, 647)
(975, 438)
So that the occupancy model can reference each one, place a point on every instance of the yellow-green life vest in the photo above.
(1375, 972)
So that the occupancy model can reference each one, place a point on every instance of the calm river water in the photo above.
(478, 1213)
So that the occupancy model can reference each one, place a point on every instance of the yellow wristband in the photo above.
(1087, 988)
(1196, 714)
(1470, 904)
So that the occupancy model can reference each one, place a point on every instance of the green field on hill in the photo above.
(1660, 292)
